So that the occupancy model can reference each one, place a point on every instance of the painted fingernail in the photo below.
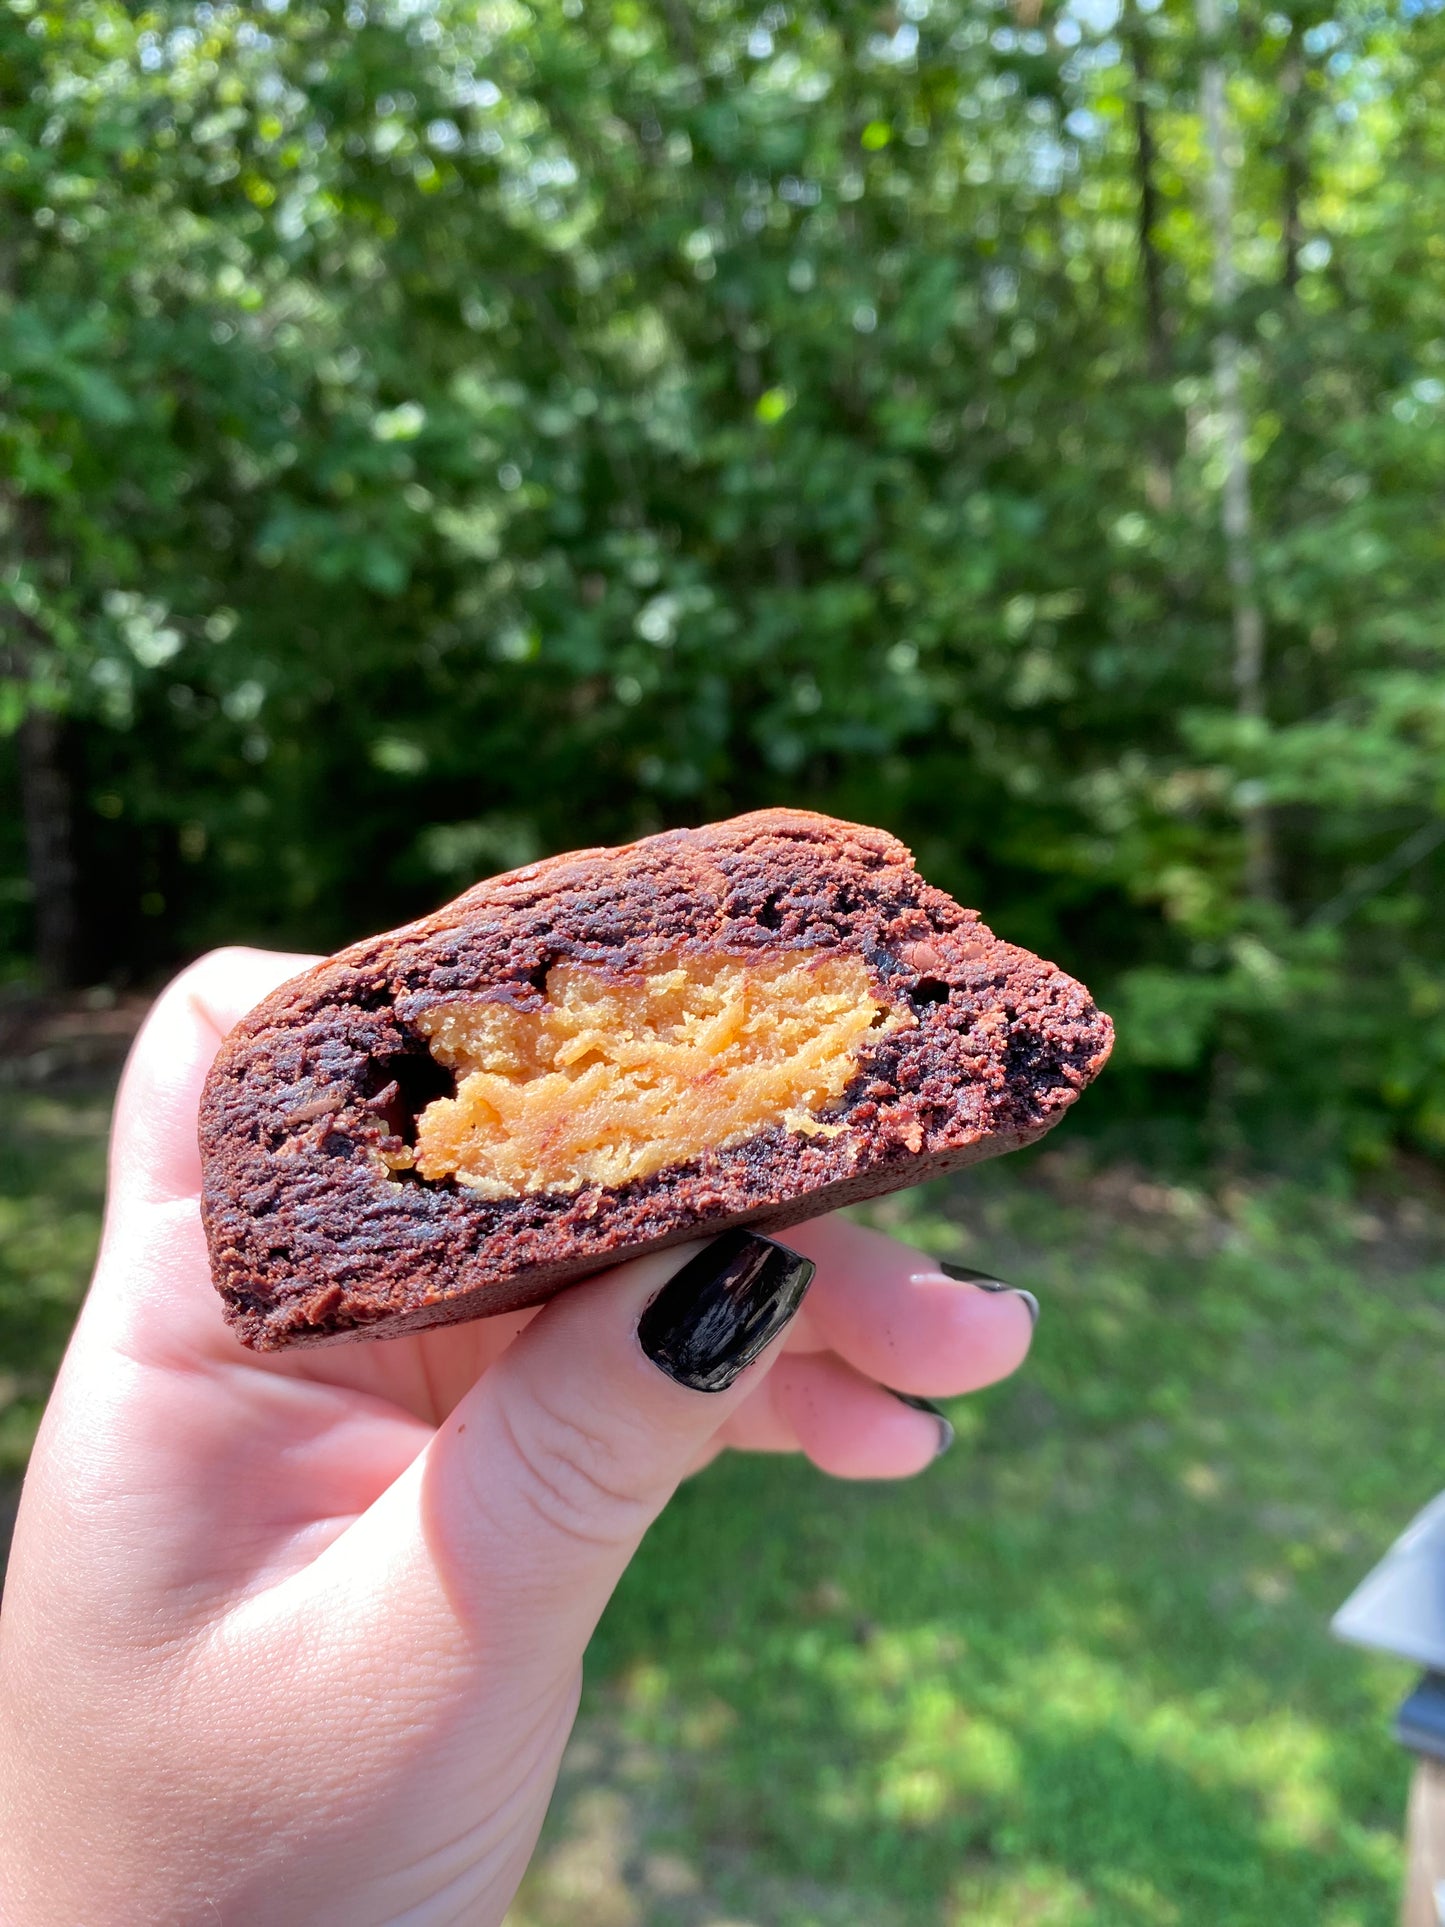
(723, 1309)
(936, 1412)
(964, 1276)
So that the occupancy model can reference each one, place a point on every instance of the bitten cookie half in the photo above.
(609, 1052)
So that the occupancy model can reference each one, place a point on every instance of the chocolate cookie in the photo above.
(612, 1051)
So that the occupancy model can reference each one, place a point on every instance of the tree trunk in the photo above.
(1146, 155)
(1159, 463)
(1236, 508)
(1291, 80)
(46, 803)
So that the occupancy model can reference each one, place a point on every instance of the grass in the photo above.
(52, 1180)
(1079, 1672)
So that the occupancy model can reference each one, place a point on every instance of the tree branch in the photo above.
(1413, 850)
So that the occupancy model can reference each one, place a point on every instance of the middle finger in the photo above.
(896, 1317)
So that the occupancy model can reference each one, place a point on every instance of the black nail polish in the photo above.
(963, 1275)
(723, 1309)
(916, 1404)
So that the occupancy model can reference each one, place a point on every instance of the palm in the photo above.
(280, 1450)
(295, 1444)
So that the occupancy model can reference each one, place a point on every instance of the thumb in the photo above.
(537, 1490)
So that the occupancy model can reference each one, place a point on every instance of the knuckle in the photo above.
(573, 1478)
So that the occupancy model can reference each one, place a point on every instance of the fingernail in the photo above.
(723, 1309)
(945, 1429)
(964, 1276)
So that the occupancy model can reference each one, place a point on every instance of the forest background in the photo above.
(434, 433)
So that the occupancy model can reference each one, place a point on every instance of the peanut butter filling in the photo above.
(614, 1080)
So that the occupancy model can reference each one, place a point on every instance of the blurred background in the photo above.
(434, 434)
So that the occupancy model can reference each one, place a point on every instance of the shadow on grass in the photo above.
(799, 1737)
(1099, 1830)
(1080, 1671)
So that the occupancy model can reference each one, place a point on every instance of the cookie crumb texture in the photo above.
(609, 1052)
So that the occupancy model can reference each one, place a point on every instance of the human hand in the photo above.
(297, 1637)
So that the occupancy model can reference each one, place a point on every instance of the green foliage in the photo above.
(437, 434)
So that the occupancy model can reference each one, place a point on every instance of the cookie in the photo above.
(609, 1052)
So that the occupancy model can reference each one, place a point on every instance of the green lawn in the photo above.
(1076, 1674)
